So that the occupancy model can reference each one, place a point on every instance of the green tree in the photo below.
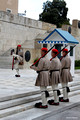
(55, 12)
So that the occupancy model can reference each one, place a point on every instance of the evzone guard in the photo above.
(17, 59)
(65, 75)
(59, 73)
(43, 78)
(55, 68)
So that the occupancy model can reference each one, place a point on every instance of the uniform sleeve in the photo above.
(14, 55)
(40, 66)
(62, 63)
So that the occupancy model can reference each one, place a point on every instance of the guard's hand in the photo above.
(31, 67)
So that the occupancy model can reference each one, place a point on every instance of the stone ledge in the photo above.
(57, 111)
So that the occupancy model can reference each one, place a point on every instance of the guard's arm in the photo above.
(39, 67)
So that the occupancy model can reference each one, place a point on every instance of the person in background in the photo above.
(17, 59)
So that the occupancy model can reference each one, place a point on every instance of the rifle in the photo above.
(67, 52)
(13, 63)
(58, 52)
(43, 55)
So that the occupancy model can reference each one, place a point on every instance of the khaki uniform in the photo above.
(55, 67)
(66, 75)
(43, 77)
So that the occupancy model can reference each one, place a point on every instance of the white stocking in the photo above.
(17, 72)
(43, 96)
(56, 97)
(65, 93)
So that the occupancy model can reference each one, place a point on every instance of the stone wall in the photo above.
(10, 5)
(75, 31)
(16, 30)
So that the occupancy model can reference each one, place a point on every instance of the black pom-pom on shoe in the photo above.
(38, 104)
(50, 101)
(60, 98)
(17, 75)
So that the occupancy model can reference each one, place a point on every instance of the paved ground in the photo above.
(10, 85)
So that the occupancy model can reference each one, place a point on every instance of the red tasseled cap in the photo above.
(44, 49)
(19, 45)
(65, 50)
(55, 50)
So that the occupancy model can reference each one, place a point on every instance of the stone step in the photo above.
(5, 58)
(5, 66)
(28, 99)
(16, 96)
(19, 101)
(6, 53)
(24, 107)
(35, 92)
(5, 62)
(35, 113)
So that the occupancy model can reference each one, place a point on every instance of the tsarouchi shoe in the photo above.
(43, 106)
(50, 101)
(62, 100)
(17, 75)
(53, 103)
(39, 105)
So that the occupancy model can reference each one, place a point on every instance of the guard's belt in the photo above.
(65, 68)
(53, 71)
(42, 70)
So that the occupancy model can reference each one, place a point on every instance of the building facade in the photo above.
(16, 30)
(10, 6)
(74, 31)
